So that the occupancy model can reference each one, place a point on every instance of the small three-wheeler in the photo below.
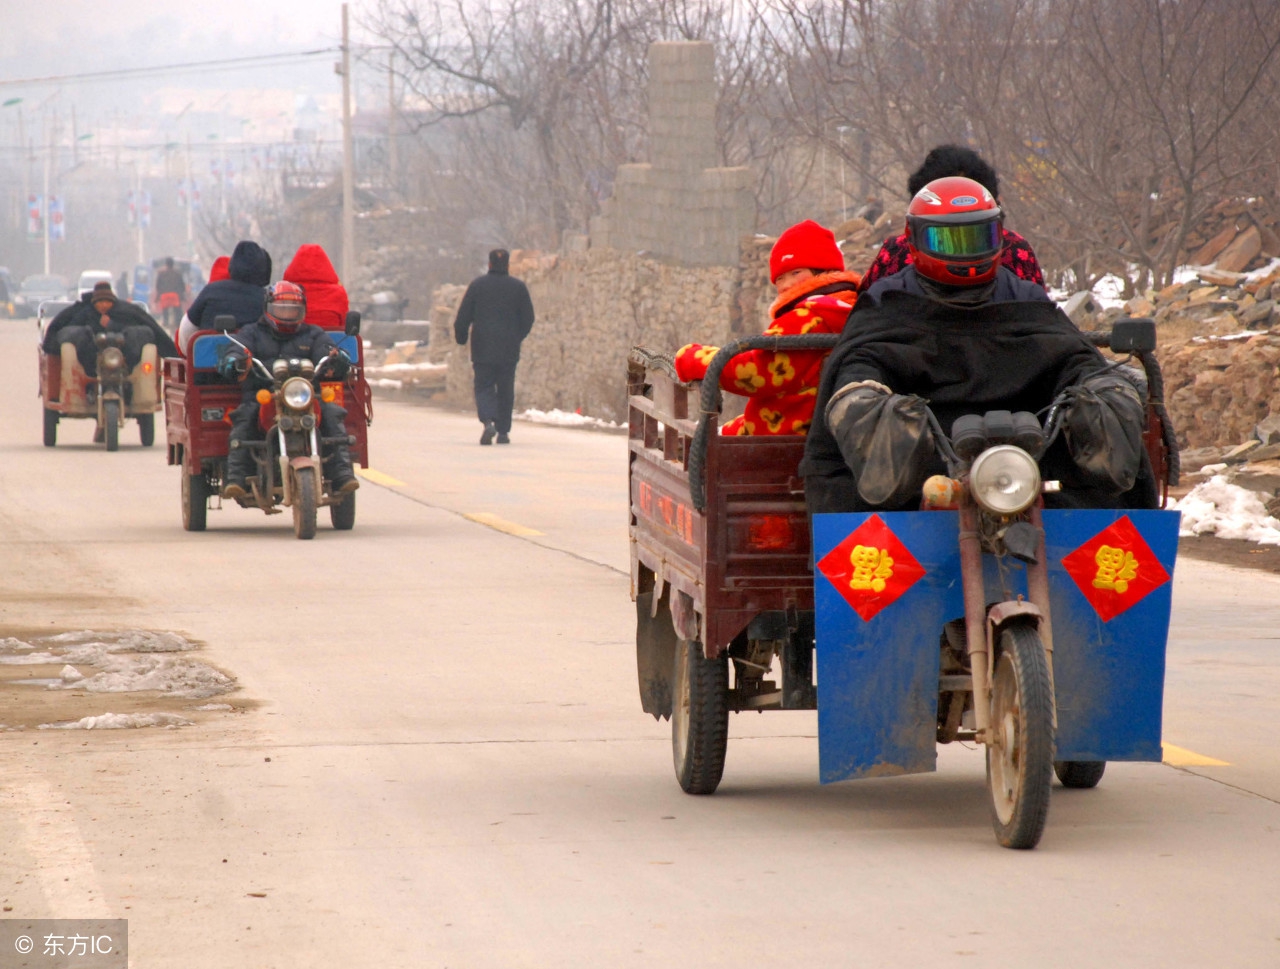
(198, 405)
(1038, 634)
(114, 395)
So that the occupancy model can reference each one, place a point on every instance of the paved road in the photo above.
(435, 756)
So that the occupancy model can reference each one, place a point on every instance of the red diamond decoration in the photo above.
(1115, 569)
(871, 568)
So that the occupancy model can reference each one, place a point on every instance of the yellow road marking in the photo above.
(500, 524)
(1181, 757)
(377, 477)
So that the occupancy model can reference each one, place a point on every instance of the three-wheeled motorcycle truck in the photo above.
(1035, 633)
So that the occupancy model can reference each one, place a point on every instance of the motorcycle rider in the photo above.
(961, 333)
(281, 332)
(171, 290)
(240, 295)
(100, 312)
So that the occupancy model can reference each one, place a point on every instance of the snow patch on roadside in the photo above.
(173, 675)
(121, 721)
(561, 418)
(1224, 510)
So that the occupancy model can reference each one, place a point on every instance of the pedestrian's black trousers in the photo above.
(495, 393)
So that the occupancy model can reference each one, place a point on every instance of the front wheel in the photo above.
(699, 718)
(343, 514)
(111, 420)
(147, 429)
(1079, 773)
(195, 501)
(304, 503)
(50, 427)
(1020, 755)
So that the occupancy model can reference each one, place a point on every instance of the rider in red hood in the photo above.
(326, 298)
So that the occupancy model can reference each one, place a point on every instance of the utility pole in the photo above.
(393, 161)
(137, 210)
(191, 197)
(348, 160)
(44, 202)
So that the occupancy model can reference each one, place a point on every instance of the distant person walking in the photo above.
(171, 293)
(498, 312)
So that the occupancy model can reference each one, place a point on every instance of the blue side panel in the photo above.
(204, 353)
(351, 344)
(878, 679)
(1108, 676)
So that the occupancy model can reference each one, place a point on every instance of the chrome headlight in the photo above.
(297, 393)
(1004, 479)
(112, 359)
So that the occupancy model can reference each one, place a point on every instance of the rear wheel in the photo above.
(1079, 773)
(195, 501)
(50, 427)
(1020, 756)
(304, 503)
(699, 718)
(147, 429)
(111, 420)
(343, 514)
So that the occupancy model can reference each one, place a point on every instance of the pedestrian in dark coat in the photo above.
(242, 294)
(498, 312)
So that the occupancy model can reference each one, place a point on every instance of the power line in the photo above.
(126, 73)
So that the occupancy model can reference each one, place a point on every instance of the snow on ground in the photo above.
(127, 662)
(562, 418)
(121, 721)
(1219, 508)
(408, 367)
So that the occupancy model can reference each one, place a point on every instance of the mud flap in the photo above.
(656, 642)
(883, 587)
(146, 381)
(1110, 591)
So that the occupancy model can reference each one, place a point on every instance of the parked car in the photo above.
(91, 277)
(8, 290)
(37, 289)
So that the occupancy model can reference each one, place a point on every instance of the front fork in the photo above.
(287, 463)
(982, 626)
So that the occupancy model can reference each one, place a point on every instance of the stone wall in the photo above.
(679, 205)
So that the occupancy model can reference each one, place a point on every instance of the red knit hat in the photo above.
(219, 269)
(806, 245)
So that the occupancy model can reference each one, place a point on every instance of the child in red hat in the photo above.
(815, 295)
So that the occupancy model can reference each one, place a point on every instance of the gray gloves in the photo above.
(884, 438)
(1103, 420)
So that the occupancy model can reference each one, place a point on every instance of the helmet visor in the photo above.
(287, 312)
(972, 240)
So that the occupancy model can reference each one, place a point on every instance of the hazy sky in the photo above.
(286, 23)
(58, 37)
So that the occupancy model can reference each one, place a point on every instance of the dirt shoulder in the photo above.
(1228, 551)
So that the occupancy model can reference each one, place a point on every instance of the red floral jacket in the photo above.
(782, 387)
(894, 256)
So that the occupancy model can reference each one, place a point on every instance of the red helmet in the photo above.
(286, 307)
(954, 232)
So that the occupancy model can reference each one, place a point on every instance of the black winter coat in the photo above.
(121, 315)
(309, 343)
(498, 311)
(243, 295)
(1008, 355)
